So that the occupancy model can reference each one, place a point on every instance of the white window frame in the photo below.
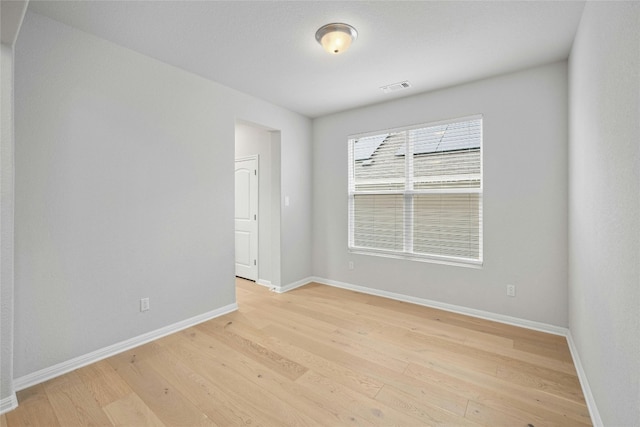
(408, 194)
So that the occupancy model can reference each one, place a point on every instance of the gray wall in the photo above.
(11, 16)
(6, 225)
(604, 206)
(525, 197)
(124, 189)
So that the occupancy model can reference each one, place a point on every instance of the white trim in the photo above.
(417, 126)
(250, 157)
(433, 259)
(291, 286)
(584, 383)
(416, 192)
(501, 318)
(7, 220)
(84, 360)
(9, 403)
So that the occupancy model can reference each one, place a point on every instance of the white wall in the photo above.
(124, 189)
(276, 210)
(6, 227)
(604, 206)
(525, 197)
(254, 140)
(11, 16)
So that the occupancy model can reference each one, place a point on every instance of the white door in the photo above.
(247, 218)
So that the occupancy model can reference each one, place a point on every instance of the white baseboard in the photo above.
(266, 283)
(584, 383)
(501, 318)
(78, 362)
(9, 403)
(290, 286)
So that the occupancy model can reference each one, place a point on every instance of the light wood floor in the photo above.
(322, 356)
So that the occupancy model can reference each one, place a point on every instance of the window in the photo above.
(417, 192)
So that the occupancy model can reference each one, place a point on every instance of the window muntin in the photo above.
(427, 205)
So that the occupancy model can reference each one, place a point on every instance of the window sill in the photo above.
(456, 262)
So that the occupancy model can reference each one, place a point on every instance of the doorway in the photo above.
(263, 143)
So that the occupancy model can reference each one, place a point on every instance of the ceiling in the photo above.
(267, 48)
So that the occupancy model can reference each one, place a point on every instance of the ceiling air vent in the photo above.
(396, 87)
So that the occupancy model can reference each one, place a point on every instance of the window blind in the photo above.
(417, 192)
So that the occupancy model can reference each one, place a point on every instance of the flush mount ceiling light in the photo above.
(336, 38)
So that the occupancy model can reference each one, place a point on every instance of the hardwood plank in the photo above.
(486, 416)
(408, 321)
(103, 382)
(450, 318)
(360, 382)
(72, 402)
(341, 340)
(424, 412)
(484, 388)
(341, 413)
(388, 352)
(130, 410)
(415, 340)
(213, 365)
(308, 401)
(34, 409)
(420, 342)
(379, 373)
(169, 405)
(368, 408)
(565, 386)
(252, 349)
(222, 405)
(534, 415)
(552, 350)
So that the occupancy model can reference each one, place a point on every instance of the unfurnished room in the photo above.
(320, 213)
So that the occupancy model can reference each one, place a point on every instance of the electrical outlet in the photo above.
(350, 265)
(144, 304)
(511, 290)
